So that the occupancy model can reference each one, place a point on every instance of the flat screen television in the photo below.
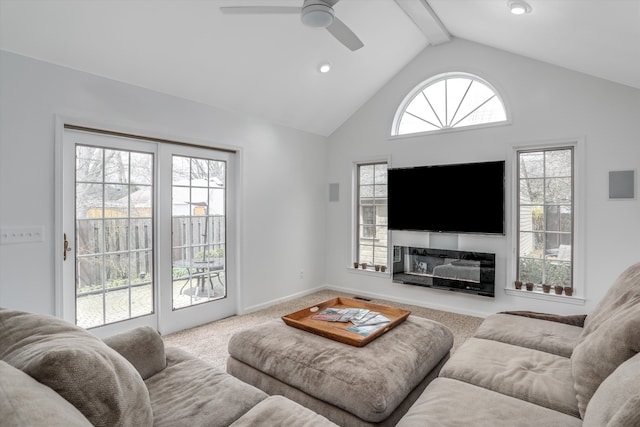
(454, 198)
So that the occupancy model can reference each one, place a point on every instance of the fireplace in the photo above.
(456, 271)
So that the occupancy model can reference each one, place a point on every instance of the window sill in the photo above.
(370, 272)
(436, 132)
(543, 296)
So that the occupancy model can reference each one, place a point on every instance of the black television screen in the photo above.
(456, 198)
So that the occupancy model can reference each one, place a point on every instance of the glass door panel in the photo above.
(114, 235)
(198, 230)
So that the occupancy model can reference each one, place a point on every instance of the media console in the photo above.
(456, 271)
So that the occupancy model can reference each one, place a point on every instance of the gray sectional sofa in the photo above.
(519, 369)
(538, 370)
(55, 374)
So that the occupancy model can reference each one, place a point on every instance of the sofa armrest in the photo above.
(143, 347)
(573, 320)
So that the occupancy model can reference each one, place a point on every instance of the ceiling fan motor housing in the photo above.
(317, 14)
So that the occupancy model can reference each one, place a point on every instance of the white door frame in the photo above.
(171, 320)
(64, 169)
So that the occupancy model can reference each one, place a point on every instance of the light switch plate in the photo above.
(27, 234)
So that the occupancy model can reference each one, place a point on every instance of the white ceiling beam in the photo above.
(426, 20)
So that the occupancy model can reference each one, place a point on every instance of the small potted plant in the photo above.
(518, 284)
(558, 289)
(383, 268)
(529, 286)
(568, 291)
(546, 288)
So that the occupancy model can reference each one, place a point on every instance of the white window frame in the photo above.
(356, 214)
(579, 296)
(433, 80)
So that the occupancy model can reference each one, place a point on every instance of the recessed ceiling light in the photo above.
(325, 67)
(519, 7)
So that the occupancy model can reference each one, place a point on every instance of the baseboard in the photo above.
(359, 292)
(269, 303)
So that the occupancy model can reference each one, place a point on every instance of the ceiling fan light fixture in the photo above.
(519, 7)
(317, 15)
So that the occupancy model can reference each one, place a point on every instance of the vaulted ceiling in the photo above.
(267, 65)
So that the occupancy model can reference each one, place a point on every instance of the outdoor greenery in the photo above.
(210, 253)
(114, 284)
(550, 272)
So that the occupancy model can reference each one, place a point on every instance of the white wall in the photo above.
(287, 223)
(547, 103)
(282, 188)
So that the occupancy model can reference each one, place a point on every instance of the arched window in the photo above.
(446, 101)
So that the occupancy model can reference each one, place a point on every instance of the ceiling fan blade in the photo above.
(340, 31)
(259, 10)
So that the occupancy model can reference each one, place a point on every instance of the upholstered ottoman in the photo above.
(352, 386)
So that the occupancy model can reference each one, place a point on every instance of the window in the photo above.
(446, 101)
(114, 235)
(369, 222)
(545, 216)
(198, 230)
(372, 228)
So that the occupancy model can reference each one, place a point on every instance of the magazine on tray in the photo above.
(341, 314)
(357, 316)
(366, 330)
(371, 318)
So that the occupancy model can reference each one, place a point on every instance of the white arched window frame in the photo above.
(450, 101)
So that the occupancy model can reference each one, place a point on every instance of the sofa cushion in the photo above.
(94, 378)
(617, 401)
(452, 403)
(625, 288)
(611, 336)
(531, 375)
(142, 347)
(189, 391)
(24, 402)
(551, 337)
(280, 411)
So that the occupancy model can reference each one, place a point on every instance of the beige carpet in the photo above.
(209, 341)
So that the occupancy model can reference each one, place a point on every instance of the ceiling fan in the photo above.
(314, 13)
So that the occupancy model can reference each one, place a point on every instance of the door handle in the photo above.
(66, 247)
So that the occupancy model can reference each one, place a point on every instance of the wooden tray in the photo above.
(337, 331)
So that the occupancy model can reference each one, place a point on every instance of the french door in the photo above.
(147, 235)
